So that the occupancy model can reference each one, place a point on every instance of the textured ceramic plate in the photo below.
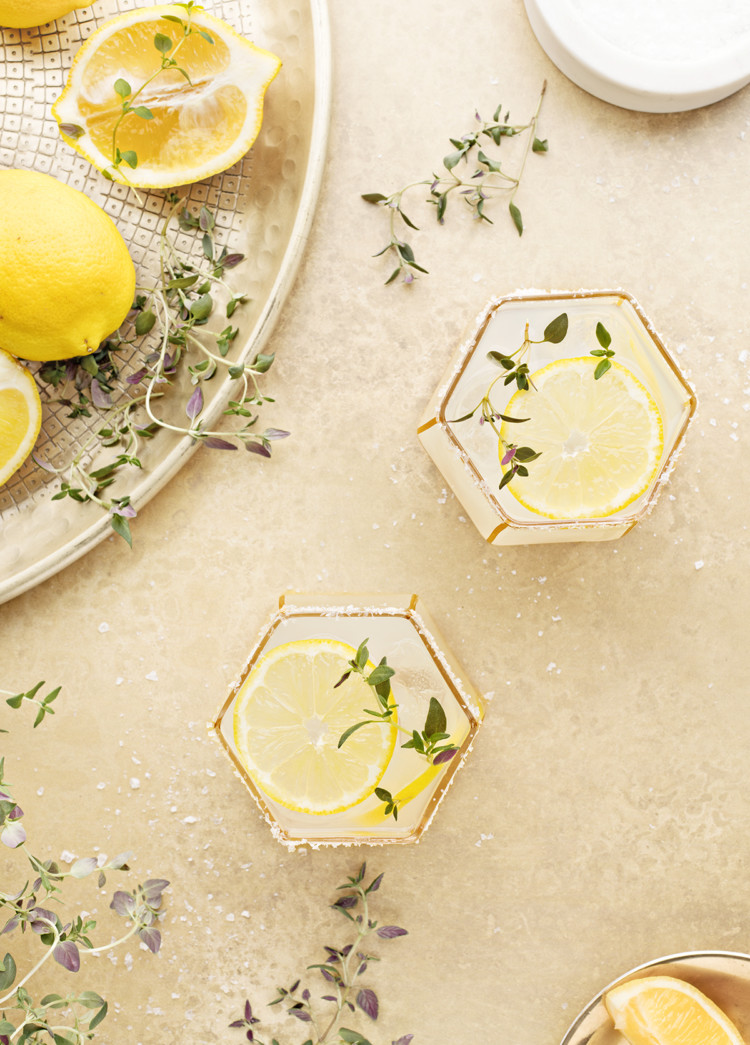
(724, 976)
(263, 207)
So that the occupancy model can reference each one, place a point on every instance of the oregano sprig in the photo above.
(475, 186)
(43, 704)
(341, 971)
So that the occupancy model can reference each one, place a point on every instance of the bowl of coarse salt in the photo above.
(648, 55)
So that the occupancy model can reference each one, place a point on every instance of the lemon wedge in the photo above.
(662, 1010)
(600, 441)
(20, 415)
(288, 718)
(185, 121)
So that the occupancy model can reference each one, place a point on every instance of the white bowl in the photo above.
(648, 55)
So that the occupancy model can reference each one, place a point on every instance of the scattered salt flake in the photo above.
(230, 917)
(152, 676)
(477, 277)
(699, 564)
(551, 666)
(210, 772)
(119, 680)
(128, 961)
(40, 791)
(67, 857)
(442, 499)
(190, 820)
(245, 914)
(103, 627)
(135, 783)
(100, 786)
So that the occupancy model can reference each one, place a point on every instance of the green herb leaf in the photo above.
(162, 43)
(601, 369)
(555, 331)
(515, 214)
(123, 88)
(436, 721)
(603, 336)
(540, 146)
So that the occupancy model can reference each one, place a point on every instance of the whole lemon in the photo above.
(66, 278)
(21, 14)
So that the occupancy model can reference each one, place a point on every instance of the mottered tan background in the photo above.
(600, 821)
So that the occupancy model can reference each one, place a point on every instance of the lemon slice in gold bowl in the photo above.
(288, 717)
(662, 1010)
(164, 96)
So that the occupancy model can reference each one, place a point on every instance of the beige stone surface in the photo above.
(601, 819)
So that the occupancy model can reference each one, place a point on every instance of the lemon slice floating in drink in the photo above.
(186, 121)
(662, 1010)
(600, 441)
(288, 718)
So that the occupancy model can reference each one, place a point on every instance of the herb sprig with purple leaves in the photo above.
(475, 188)
(341, 971)
(68, 1018)
(432, 743)
(175, 311)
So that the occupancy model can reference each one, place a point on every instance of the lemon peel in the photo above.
(23, 14)
(193, 124)
(66, 278)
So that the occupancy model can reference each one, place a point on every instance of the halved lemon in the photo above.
(186, 122)
(20, 415)
(288, 718)
(600, 441)
(662, 1010)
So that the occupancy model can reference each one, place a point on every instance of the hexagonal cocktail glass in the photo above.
(466, 452)
(399, 629)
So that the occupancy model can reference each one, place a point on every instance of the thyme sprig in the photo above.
(128, 98)
(515, 369)
(173, 313)
(605, 352)
(488, 178)
(43, 704)
(432, 743)
(341, 971)
(70, 1018)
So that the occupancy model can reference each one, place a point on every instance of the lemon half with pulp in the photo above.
(288, 718)
(600, 441)
(185, 125)
(20, 415)
(662, 1010)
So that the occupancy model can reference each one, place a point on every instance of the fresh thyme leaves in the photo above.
(70, 1018)
(341, 971)
(605, 340)
(487, 179)
(173, 314)
(432, 743)
(15, 700)
(128, 98)
(515, 369)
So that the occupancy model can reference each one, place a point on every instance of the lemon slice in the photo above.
(200, 123)
(288, 718)
(662, 1010)
(20, 415)
(600, 441)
